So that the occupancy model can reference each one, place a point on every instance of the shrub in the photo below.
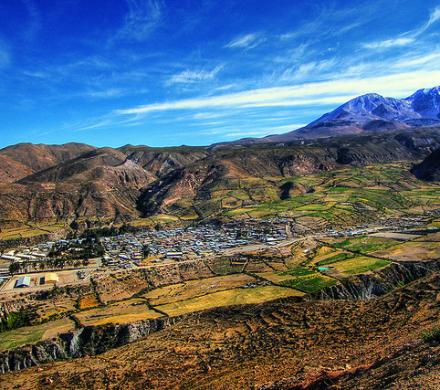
(431, 336)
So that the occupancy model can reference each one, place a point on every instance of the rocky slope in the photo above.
(283, 344)
(100, 183)
(87, 341)
(160, 161)
(225, 165)
(429, 168)
(21, 160)
(133, 181)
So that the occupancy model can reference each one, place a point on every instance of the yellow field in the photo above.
(412, 251)
(430, 237)
(238, 296)
(118, 313)
(28, 231)
(357, 265)
(88, 301)
(275, 277)
(196, 288)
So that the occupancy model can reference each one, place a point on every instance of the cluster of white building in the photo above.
(127, 250)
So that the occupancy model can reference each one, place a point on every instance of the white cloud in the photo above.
(433, 17)
(248, 41)
(408, 37)
(142, 18)
(194, 76)
(306, 69)
(412, 61)
(316, 94)
(106, 93)
(386, 44)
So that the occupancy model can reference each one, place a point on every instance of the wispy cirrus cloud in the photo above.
(106, 93)
(321, 93)
(433, 18)
(142, 18)
(194, 76)
(303, 70)
(387, 43)
(408, 37)
(248, 41)
(411, 61)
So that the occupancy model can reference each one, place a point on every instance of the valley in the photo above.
(117, 248)
(219, 195)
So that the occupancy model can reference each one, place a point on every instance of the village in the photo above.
(69, 261)
(73, 261)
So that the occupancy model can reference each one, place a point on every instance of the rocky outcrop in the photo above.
(90, 340)
(369, 286)
(429, 168)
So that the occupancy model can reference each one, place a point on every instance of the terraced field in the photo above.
(335, 198)
(305, 267)
(124, 312)
(197, 288)
(30, 230)
(32, 334)
(412, 251)
(326, 199)
(238, 296)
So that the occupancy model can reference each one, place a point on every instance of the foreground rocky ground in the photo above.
(284, 344)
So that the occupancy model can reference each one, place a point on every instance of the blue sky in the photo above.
(172, 72)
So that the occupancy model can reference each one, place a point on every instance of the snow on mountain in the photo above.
(426, 102)
(366, 108)
(368, 113)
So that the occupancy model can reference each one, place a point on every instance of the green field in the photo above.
(311, 283)
(340, 197)
(335, 258)
(32, 334)
(365, 244)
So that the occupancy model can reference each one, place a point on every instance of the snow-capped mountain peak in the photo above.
(426, 102)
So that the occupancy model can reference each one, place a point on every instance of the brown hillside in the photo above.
(280, 345)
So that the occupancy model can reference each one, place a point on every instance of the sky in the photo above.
(187, 72)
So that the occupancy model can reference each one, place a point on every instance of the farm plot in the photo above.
(357, 265)
(238, 296)
(365, 244)
(123, 312)
(197, 288)
(303, 279)
(411, 251)
(33, 334)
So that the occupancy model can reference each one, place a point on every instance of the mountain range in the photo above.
(368, 113)
(79, 181)
(65, 182)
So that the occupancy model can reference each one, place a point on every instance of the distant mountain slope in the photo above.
(368, 113)
(21, 160)
(160, 161)
(135, 181)
(99, 183)
(429, 168)
(100, 164)
(227, 167)
(102, 182)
